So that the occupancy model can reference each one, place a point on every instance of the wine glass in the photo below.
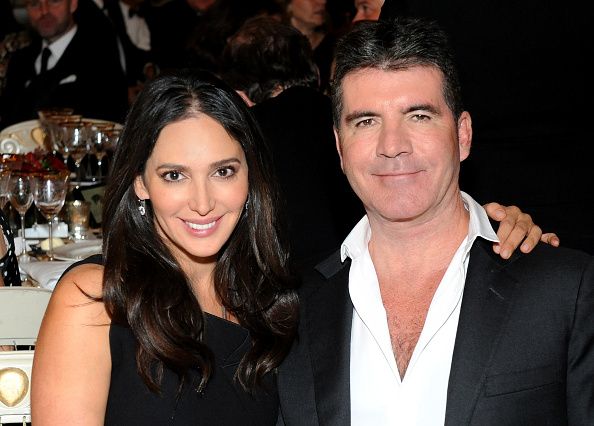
(49, 195)
(21, 198)
(78, 145)
(4, 184)
(99, 138)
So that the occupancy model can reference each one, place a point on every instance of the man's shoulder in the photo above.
(549, 257)
(557, 266)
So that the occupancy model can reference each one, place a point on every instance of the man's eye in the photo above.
(365, 122)
(420, 117)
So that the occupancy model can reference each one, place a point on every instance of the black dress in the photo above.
(222, 402)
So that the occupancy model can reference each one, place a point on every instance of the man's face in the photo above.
(399, 144)
(51, 18)
(368, 10)
(200, 5)
(311, 13)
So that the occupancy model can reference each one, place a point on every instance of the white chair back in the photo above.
(21, 312)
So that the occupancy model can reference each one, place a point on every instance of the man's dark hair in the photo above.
(393, 45)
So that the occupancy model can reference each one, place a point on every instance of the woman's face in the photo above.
(310, 13)
(197, 181)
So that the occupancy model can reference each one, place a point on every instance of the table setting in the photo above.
(37, 186)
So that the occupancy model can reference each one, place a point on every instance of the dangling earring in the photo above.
(142, 207)
(247, 203)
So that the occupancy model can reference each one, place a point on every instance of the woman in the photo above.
(193, 307)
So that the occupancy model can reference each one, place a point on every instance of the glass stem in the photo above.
(24, 250)
(78, 175)
(50, 251)
(99, 168)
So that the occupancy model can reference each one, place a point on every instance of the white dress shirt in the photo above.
(57, 48)
(136, 27)
(378, 395)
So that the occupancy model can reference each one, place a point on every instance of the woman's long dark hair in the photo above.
(144, 287)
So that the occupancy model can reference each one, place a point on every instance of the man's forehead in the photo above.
(374, 90)
(366, 81)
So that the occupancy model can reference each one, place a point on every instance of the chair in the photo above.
(21, 312)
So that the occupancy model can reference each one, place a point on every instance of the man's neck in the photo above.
(48, 41)
(423, 242)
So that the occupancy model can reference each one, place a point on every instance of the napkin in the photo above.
(41, 231)
(46, 274)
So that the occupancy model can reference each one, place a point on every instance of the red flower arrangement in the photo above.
(38, 161)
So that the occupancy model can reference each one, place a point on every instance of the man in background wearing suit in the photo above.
(66, 65)
(415, 321)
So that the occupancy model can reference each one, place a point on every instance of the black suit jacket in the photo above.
(524, 350)
(88, 77)
(319, 204)
(135, 57)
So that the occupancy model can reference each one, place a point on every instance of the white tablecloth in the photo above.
(44, 273)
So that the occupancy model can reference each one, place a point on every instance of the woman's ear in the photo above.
(140, 189)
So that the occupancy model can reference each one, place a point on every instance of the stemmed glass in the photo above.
(77, 144)
(4, 184)
(21, 198)
(49, 195)
(99, 137)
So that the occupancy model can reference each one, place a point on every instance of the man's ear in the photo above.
(464, 135)
(140, 188)
(73, 5)
(338, 148)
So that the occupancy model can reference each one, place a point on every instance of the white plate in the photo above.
(77, 251)
(17, 139)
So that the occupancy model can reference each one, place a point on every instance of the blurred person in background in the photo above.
(66, 65)
(367, 10)
(9, 268)
(270, 63)
(206, 42)
(311, 18)
(131, 19)
(13, 36)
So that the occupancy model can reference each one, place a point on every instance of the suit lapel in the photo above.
(487, 295)
(329, 315)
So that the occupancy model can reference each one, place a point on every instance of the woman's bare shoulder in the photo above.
(82, 287)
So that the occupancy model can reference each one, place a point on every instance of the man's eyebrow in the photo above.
(355, 115)
(423, 107)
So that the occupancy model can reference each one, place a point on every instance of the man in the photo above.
(415, 321)
(66, 65)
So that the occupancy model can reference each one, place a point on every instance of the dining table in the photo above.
(41, 272)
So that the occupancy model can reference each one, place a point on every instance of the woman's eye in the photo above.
(225, 172)
(172, 176)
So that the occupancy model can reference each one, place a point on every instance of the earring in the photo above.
(142, 207)
(247, 203)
